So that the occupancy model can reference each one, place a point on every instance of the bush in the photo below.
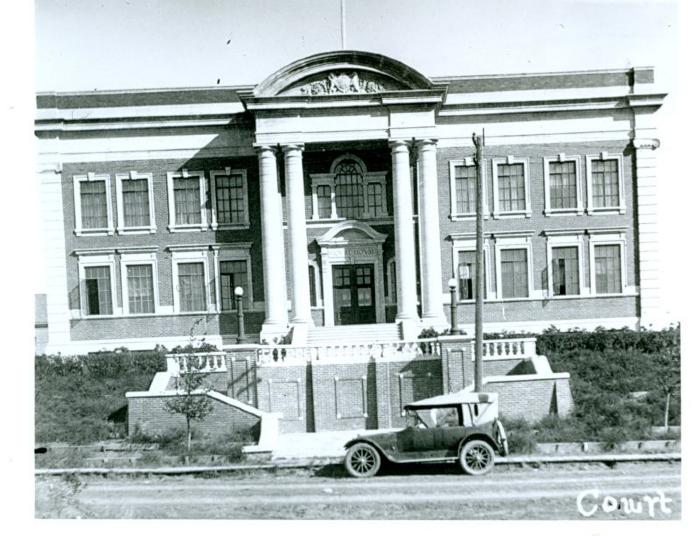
(553, 341)
(521, 437)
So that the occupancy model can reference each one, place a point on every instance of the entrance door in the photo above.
(353, 294)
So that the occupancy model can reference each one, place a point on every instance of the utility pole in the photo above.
(479, 263)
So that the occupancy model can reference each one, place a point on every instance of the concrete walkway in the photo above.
(316, 445)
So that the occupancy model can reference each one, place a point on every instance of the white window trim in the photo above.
(227, 172)
(139, 259)
(88, 260)
(609, 239)
(514, 242)
(459, 216)
(495, 162)
(90, 177)
(578, 209)
(317, 283)
(184, 174)
(590, 209)
(121, 227)
(195, 254)
(556, 241)
(469, 245)
(239, 251)
(328, 179)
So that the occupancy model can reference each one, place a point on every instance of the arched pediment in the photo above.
(342, 72)
(350, 232)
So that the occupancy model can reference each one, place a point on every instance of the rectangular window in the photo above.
(323, 193)
(565, 277)
(230, 199)
(93, 204)
(562, 185)
(466, 274)
(514, 276)
(188, 202)
(511, 187)
(139, 279)
(312, 286)
(606, 185)
(465, 189)
(135, 197)
(608, 274)
(233, 274)
(98, 287)
(192, 286)
(375, 196)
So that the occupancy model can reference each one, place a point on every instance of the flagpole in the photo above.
(342, 24)
(478, 264)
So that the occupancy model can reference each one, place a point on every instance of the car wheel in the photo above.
(362, 460)
(476, 457)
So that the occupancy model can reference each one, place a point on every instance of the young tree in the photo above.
(191, 400)
(668, 365)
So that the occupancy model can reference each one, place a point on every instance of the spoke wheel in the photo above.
(476, 457)
(362, 460)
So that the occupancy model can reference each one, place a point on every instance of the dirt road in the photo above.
(626, 491)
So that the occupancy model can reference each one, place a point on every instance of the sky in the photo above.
(119, 44)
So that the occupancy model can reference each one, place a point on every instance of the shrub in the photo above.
(521, 437)
(554, 429)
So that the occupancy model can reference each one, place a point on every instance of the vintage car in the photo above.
(460, 426)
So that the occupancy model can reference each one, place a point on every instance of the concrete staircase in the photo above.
(355, 334)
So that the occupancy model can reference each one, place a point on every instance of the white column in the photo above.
(296, 222)
(57, 306)
(649, 291)
(404, 235)
(431, 259)
(275, 323)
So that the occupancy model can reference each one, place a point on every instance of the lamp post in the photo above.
(452, 283)
(238, 291)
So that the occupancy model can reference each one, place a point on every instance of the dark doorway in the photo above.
(353, 294)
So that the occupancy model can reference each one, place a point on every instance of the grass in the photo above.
(80, 409)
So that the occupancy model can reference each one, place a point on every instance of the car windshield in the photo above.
(433, 417)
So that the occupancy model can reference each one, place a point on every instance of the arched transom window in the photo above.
(349, 191)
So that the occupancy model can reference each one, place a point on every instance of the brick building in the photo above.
(341, 190)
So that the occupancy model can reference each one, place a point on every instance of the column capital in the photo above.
(289, 147)
(646, 143)
(399, 145)
(262, 149)
(428, 143)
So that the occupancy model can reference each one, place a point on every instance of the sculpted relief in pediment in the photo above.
(342, 83)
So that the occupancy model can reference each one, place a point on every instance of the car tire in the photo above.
(362, 460)
(476, 457)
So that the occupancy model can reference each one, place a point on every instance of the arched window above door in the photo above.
(348, 191)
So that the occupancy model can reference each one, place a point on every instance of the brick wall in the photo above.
(284, 388)
(150, 416)
(344, 396)
(575, 308)
(532, 399)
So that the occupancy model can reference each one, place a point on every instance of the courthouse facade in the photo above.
(341, 190)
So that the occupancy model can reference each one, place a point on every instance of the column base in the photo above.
(300, 332)
(272, 332)
(438, 322)
(409, 328)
